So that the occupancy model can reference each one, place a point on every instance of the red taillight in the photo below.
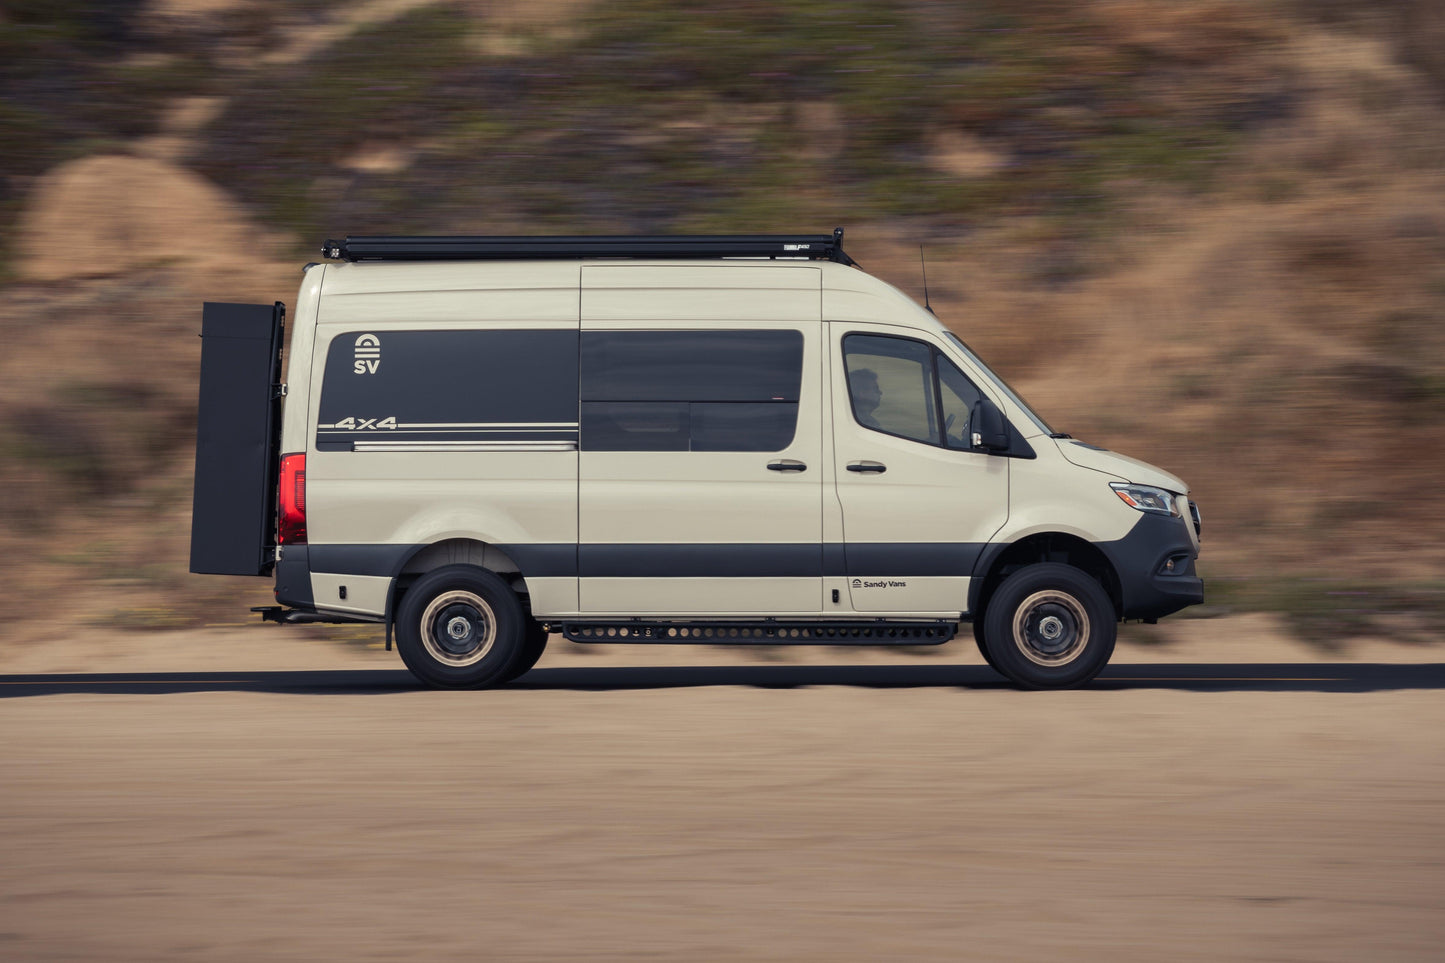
(291, 506)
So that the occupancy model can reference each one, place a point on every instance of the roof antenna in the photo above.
(924, 262)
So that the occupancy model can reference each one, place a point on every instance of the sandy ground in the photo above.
(917, 811)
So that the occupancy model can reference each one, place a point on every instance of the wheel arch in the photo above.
(453, 551)
(1000, 561)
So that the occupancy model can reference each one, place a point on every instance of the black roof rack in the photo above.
(521, 248)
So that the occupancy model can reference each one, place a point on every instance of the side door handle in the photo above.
(787, 464)
(876, 467)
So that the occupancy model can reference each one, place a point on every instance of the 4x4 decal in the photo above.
(364, 424)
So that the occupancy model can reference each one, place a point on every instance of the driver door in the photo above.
(918, 502)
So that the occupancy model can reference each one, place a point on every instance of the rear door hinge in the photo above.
(278, 391)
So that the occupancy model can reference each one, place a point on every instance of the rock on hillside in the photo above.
(113, 214)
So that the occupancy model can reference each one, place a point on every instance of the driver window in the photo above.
(891, 384)
(958, 396)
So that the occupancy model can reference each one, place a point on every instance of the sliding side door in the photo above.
(699, 488)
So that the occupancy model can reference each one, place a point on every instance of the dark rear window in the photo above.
(448, 387)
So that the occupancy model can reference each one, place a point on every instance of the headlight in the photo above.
(1146, 498)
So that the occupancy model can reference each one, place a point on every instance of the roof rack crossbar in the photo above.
(482, 248)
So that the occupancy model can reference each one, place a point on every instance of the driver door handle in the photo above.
(876, 467)
(787, 464)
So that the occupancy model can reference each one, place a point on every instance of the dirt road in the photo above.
(1232, 796)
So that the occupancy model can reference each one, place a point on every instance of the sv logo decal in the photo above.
(367, 355)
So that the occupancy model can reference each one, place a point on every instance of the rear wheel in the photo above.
(1050, 626)
(460, 627)
(533, 645)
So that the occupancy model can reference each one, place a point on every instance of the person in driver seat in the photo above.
(867, 396)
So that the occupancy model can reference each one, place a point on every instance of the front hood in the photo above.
(1120, 466)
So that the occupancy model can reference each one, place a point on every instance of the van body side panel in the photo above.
(499, 290)
(476, 307)
(365, 594)
(836, 595)
(525, 503)
(700, 292)
(439, 415)
(1051, 495)
(680, 514)
(293, 568)
(300, 341)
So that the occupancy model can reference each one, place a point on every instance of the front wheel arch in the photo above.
(1056, 547)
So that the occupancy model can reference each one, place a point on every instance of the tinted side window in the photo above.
(635, 425)
(890, 381)
(690, 390)
(691, 365)
(432, 389)
(743, 426)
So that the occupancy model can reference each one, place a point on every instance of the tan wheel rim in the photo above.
(458, 628)
(1051, 628)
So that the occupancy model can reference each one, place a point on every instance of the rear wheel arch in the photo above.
(1001, 561)
(455, 551)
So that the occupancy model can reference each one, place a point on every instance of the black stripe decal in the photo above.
(360, 559)
(701, 561)
(543, 560)
(787, 560)
(807, 560)
(537, 560)
(911, 558)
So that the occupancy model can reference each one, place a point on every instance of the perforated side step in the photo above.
(766, 632)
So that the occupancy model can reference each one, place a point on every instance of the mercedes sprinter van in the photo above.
(479, 441)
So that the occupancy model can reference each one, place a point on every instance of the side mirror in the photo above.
(990, 428)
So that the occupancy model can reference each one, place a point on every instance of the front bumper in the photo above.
(1150, 588)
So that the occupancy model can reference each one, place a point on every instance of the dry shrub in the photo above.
(1422, 38)
(1190, 33)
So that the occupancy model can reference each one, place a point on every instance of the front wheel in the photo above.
(1050, 626)
(460, 627)
(982, 645)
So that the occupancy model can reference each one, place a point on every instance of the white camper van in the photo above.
(741, 439)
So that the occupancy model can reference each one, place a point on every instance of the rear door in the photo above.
(233, 509)
(701, 441)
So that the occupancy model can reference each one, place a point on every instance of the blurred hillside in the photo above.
(1208, 234)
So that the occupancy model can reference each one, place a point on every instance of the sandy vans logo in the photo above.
(368, 355)
(879, 583)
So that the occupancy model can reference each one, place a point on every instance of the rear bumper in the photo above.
(293, 578)
(1149, 588)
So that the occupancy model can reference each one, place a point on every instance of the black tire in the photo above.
(982, 648)
(1050, 626)
(460, 627)
(534, 643)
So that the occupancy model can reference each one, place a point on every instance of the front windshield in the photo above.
(1002, 384)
